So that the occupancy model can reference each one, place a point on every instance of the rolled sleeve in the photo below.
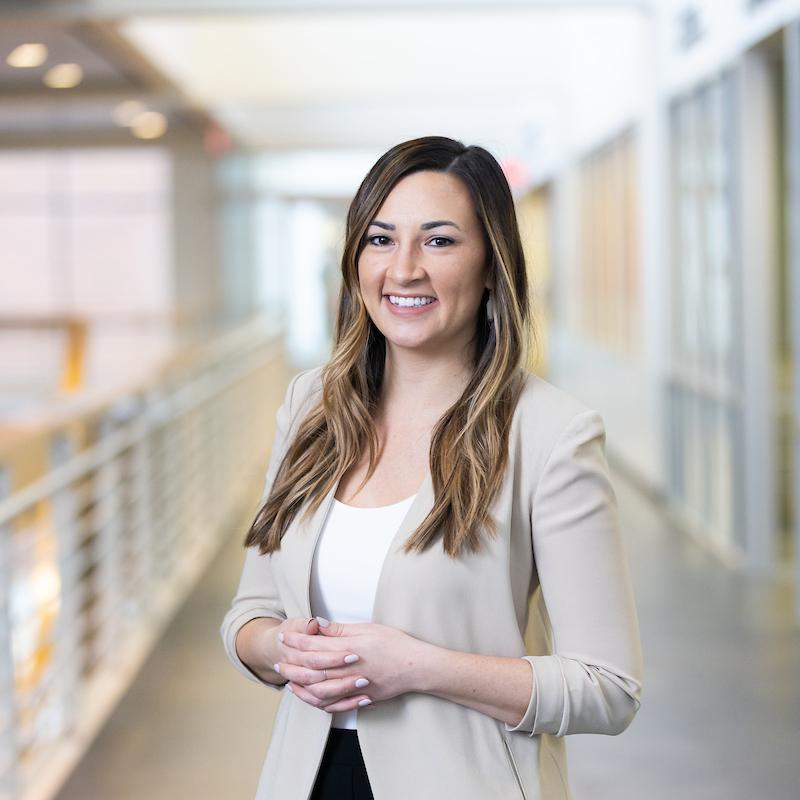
(592, 682)
(526, 723)
(257, 594)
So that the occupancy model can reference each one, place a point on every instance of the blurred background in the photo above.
(174, 179)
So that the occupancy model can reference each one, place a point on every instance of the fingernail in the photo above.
(324, 622)
(289, 688)
(351, 658)
(365, 702)
(362, 682)
(277, 668)
(280, 636)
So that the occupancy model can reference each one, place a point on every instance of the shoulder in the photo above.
(546, 413)
(305, 385)
(548, 401)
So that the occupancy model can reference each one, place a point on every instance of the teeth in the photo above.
(410, 301)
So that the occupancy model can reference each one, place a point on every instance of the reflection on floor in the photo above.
(720, 716)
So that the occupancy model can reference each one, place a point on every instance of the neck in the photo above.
(420, 389)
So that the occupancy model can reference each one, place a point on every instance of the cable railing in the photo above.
(107, 519)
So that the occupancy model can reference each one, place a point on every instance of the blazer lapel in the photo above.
(308, 533)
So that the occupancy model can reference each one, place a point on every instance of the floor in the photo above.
(720, 715)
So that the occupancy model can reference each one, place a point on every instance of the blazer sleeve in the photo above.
(257, 595)
(592, 683)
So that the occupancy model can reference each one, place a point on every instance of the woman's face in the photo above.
(425, 242)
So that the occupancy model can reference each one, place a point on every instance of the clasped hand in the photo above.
(317, 672)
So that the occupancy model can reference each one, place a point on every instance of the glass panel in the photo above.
(703, 289)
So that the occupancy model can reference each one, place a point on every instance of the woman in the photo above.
(455, 507)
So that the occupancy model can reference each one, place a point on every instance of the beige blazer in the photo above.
(553, 588)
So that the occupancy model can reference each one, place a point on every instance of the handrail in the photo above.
(97, 552)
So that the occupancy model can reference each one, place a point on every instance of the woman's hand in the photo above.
(308, 627)
(387, 658)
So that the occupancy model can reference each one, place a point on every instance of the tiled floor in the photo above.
(720, 716)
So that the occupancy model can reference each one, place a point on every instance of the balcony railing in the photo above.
(108, 515)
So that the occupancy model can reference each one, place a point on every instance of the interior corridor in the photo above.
(190, 726)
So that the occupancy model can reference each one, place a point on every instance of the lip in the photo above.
(400, 294)
(408, 311)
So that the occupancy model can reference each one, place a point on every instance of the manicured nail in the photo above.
(365, 702)
(280, 636)
(351, 658)
(324, 622)
(362, 682)
(277, 668)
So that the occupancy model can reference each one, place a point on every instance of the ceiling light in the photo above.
(126, 112)
(32, 54)
(63, 76)
(149, 125)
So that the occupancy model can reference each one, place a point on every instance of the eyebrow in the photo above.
(426, 226)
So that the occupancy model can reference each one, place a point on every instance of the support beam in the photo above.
(792, 89)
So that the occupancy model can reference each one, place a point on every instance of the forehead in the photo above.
(427, 195)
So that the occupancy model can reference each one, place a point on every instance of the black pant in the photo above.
(342, 774)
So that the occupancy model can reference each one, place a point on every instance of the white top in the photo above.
(347, 564)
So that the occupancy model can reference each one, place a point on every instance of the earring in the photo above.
(490, 308)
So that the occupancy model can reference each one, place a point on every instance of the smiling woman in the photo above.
(424, 495)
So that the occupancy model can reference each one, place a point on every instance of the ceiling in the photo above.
(322, 74)
(359, 78)
(113, 71)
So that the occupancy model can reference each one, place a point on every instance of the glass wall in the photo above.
(703, 387)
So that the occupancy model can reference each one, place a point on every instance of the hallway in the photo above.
(720, 716)
(187, 189)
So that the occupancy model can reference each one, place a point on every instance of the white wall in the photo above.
(85, 233)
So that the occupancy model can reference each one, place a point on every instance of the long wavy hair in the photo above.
(469, 443)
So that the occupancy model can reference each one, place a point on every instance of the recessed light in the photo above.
(149, 125)
(63, 76)
(30, 54)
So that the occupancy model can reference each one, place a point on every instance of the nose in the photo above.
(405, 266)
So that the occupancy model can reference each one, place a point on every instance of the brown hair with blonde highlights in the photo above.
(469, 443)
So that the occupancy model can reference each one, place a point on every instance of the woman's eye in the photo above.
(374, 240)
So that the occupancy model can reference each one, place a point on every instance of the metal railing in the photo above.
(97, 554)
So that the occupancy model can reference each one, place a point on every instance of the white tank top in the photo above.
(346, 566)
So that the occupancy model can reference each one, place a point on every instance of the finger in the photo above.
(307, 675)
(302, 675)
(324, 692)
(333, 690)
(318, 659)
(336, 629)
(348, 704)
(304, 641)
(304, 694)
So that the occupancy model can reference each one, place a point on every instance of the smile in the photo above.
(421, 300)
(409, 306)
